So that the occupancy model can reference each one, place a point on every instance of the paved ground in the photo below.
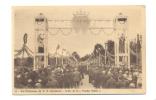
(85, 83)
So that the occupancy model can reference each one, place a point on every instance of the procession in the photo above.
(71, 77)
(82, 52)
(97, 70)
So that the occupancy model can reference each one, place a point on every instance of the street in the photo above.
(85, 83)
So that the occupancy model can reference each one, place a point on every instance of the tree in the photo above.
(110, 47)
(133, 46)
(98, 50)
(84, 58)
(76, 55)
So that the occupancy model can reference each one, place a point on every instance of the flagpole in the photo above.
(56, 58)
(99, 59)
(62, 57)
(105, 53)
(58, 46)
(99, 56)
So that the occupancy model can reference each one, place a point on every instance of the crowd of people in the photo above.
(113, 77)
(71, 77)
(50, 77)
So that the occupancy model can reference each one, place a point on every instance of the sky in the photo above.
(82, 42)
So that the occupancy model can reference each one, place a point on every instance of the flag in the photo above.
(58, 46)
(63, 49)
(74, 57)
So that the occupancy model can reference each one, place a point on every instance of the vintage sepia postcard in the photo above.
(79, 50)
